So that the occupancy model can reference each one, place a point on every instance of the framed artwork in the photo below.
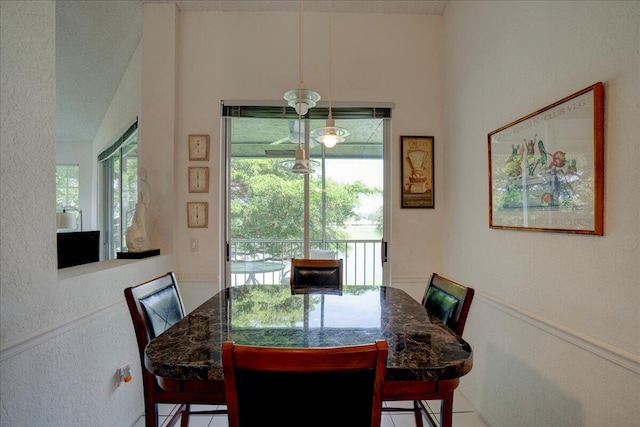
(546, 170)
(198, 179)
(198, 147)
(197, 214)
(417, 171)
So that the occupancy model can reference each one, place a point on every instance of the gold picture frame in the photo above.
(417, 171)
(197, 214)
(198, 179)
(546, 170)
(198, 147)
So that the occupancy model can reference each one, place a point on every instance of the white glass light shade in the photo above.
(329, 135)
(301, 99)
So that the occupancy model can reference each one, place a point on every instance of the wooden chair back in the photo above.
(154, 307)
(448, 300)
(316, 276)
(328, 386)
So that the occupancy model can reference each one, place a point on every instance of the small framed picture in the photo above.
(198, 179)
(197, 214)
(198, 147)
(417, 171)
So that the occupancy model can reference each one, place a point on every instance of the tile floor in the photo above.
(464, 415)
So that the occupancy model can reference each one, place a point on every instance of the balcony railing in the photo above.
(361, 260)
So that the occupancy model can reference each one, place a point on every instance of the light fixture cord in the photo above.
(300, 48)
(330, 68)
(301, 80)
(299, 131)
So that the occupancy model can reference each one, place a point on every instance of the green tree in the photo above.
(268, 203)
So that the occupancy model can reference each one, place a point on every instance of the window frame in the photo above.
(112, 187)
(247, 109)
(65, 188)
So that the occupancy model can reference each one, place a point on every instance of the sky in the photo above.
(348, 170)
(370, 171)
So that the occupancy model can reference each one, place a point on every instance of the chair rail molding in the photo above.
(600, 348)
(26, 342)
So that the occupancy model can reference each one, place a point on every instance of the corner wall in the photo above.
(555, 321)
(63, 333)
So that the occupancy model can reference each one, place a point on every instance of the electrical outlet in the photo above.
(124, 374)
(193, 246)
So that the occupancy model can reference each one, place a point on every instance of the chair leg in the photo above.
(446, 410)
(417, 412)
(151, 418)
(183, 413)
(427, 415)
(185, 416)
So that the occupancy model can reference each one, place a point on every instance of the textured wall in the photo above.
(503, 61)
(28, 125)
(63, 333)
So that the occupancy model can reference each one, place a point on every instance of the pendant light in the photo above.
(301, 98)
(300, 165)
(330, 135)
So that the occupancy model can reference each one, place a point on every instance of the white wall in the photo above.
(555, 324)
(63, 333)
(254, 56)
(123, 110)
(158, 121)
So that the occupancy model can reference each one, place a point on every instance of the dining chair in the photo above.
(155, 306)
(449, 301)
(311, 387)
(313, 254)
(316, 276)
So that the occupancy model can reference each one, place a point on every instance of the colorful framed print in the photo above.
(546, 170)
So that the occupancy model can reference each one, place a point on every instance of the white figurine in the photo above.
(136, 234)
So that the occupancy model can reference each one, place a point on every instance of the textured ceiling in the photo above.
(96, 39)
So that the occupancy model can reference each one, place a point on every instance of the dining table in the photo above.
(424, 357)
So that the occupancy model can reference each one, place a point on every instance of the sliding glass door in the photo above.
(334, 211)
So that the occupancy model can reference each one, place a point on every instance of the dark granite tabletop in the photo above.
(420, 346)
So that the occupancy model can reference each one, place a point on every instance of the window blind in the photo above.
(118, 142)
(232, 110)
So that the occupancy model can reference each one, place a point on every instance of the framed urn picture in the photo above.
(198, 179)
(198, 147)
(417, 171)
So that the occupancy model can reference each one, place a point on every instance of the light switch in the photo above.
(194, 245)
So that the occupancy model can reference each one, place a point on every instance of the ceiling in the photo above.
(95, 41)
(429, 7)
